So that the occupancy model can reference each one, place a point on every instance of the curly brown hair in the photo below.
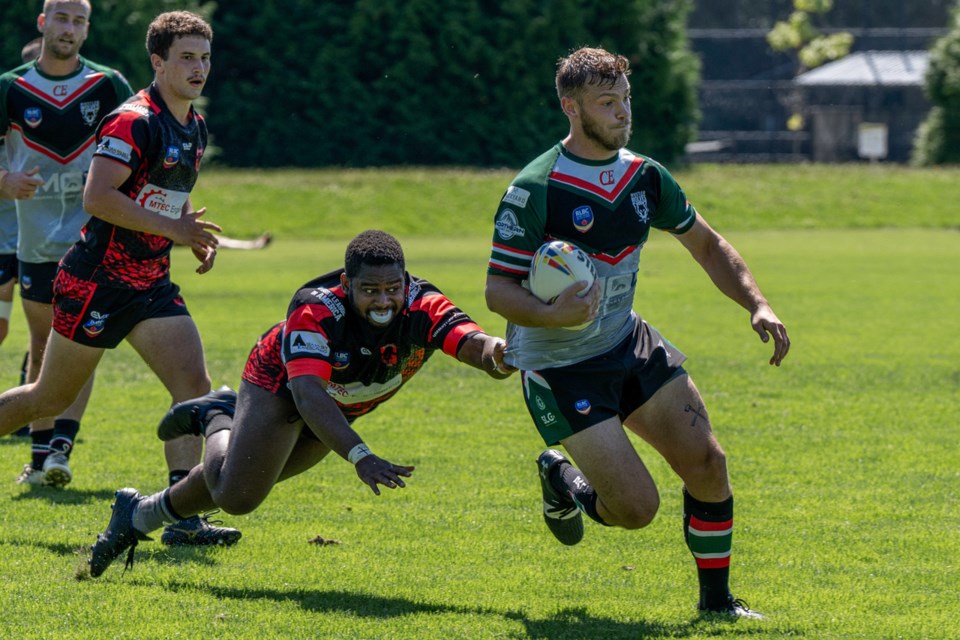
(169, 26)
(589, 65)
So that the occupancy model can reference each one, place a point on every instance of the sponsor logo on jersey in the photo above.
(309, 342)
(331, 302)
(115, 148)
(583, 218)
(607, 177)
(33, 116)
(583, 407)
(160, 200)
(172, 157)
(413, 292)
(138, 108)
(68, 182)
(89, 112)
(94, 326)
(365, 351)
(356, 392)
(640, 205)
(507, 225)
(516, 196)
(341, 360)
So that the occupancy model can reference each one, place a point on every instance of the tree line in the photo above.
(401, 82)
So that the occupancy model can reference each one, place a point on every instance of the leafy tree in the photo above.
(938, 138)
(798, 33)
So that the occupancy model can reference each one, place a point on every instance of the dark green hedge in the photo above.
(420, 82)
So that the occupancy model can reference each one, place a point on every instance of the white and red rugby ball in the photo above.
(556, 265)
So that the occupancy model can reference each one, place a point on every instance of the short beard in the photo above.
(607, 140)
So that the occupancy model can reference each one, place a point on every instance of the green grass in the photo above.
(844, 460)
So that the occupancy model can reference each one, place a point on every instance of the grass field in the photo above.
(844, 460)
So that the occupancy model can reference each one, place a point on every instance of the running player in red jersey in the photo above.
(114, 283)
(351, 339)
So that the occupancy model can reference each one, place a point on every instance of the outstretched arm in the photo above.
(485, 353)
(730, 274)
(325, 419)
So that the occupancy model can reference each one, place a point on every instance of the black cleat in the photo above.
(119, 535)
(733, 608)
(199, 531)
(189, 418)
(560, 512)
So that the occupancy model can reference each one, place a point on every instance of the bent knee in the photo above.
(637, 514)
(237, 503)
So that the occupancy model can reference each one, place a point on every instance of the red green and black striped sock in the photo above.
(708, 530)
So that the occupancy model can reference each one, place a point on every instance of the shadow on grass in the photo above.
(66, 496)
(569, 623)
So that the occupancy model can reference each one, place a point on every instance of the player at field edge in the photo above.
(351, 339)
(582, 387)
(113, 284)
(49, 110)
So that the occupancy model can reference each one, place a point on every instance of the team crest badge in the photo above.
(640, 205)
(341, 360)
(583, 218)
(33, 116)
(172, 157)
(94, 326)
(89, 112)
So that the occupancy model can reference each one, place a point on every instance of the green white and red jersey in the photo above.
(604, 207)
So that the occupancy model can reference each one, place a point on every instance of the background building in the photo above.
(748, 92)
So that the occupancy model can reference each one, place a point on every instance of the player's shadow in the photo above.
(65, 497)
(569, 623)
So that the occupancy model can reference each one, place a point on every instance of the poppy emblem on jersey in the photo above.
(583, 407)
(389, 355)
(172, 157)
(94, 326)
(341, 360)
(33, 116)
(583, 218)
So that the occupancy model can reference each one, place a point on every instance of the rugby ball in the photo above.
(556, 265)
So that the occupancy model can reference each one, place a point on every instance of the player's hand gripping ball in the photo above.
(557, 265)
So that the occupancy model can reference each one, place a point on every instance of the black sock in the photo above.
(177, 475)
(39, 447)
(567, 479)
(708, 531)
(168, 506)
(63, 435)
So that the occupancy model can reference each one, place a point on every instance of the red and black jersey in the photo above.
(164, 158)
(363, 365)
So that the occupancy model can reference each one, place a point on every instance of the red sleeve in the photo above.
(449, 326)
(306, 347)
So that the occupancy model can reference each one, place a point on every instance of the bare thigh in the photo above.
(172, 349)
(266, 446)
(627, 495)
(675, 423)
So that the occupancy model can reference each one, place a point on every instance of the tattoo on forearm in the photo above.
(697, 413)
